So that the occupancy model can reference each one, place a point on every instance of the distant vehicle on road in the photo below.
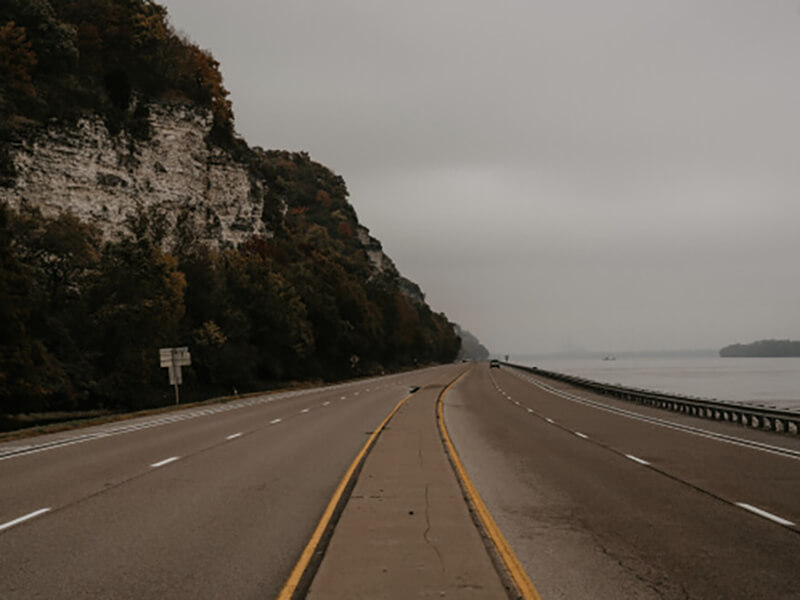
(494, 364)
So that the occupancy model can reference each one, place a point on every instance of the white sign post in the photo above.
(173, 359)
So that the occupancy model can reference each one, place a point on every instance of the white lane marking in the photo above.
(582, 435)
(305, 410)
(530, 410)
(17, 451)
(549, 420)
(765, 514)
(636, 459)
(326, 403)
(274, 421)
(233, 436)
(355, 393)
(166, 461)
(517, 403)
(342, 397)
(24, 518)
(720, 437)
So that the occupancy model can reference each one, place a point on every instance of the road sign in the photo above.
(175, 356)
(173, 359)
(175, 375)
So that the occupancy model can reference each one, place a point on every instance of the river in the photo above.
(770, 382)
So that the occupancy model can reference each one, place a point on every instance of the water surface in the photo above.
(771, 382)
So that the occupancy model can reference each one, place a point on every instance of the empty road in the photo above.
(209, 502)
(597, 498)
(604, 499)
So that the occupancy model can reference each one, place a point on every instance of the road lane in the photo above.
(727, 467)
(227, 519)
(69, 472)
(587, 521)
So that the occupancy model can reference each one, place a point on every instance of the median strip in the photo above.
(22, 519)
(303, 572)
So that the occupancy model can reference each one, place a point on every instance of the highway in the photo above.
(215, 501)
(597, 498)
(604, 499)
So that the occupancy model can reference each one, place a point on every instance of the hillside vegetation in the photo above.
(82, 317)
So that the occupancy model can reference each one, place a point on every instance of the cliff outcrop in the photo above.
(105, 179)
(132, 218)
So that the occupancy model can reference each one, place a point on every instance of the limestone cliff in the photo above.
(105, 179)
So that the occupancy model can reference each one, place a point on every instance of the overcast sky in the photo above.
(609, 176)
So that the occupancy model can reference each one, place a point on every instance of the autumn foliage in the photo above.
(82, 318)
(67, 58)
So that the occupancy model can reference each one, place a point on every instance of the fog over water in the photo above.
(582, 175)
(771, 382)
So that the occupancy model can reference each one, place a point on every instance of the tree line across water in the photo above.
(762, 348)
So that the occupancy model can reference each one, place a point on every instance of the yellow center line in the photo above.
(290, 587)
(514, 568)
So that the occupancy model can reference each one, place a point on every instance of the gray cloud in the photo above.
(615, 175)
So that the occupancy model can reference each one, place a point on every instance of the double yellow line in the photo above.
(513, 567)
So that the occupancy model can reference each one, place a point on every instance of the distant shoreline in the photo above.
(763, 349)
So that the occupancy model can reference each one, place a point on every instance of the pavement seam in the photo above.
(511, 571)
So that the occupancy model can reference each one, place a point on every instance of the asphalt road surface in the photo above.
(209, 502)
(603, 499)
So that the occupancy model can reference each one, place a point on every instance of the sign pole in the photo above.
(175, 368)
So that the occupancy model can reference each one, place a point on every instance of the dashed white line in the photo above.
(549, 420)
(530, 410)
(765, 514)
(326, 403)
(274, 421)
(637, 459)
(166, 461)
(342, 397)
(581, 435)
(305, 410)
(24, 518)
(233, 436)
(781, 451)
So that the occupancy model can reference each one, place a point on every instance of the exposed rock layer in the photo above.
(105, 179)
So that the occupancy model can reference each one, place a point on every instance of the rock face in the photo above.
(105, 179)
(380, 262)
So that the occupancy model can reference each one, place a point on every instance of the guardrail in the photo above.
(781, 421)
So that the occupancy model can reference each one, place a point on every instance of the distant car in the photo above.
(494, 364)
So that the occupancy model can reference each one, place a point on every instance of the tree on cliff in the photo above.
(82, 318)
(73, 57)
